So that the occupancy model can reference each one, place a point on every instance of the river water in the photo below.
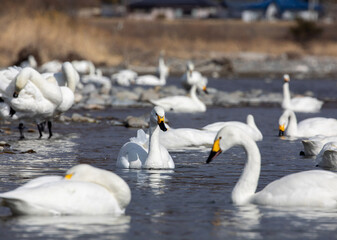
(190, 202)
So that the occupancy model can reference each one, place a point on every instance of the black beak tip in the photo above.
(212, 155)
(162, 126)
(280, 133)
(205, 91)
(15, 95)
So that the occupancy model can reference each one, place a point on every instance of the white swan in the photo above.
(191, 76)
(188, 104)
(124, 77)
(327, 157)
(100, 81)
(306, 128)
(152, 80)
(313, 145)
(250, 128)
(84, 67)
(316, 188)
(134, 155)
(298, 104)
(85, 190)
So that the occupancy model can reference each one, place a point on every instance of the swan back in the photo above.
(109, 180)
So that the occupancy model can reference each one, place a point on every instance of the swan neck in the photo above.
(154, 156)
(245, 188)
(286, 95)
(193, 92)
(292, 126)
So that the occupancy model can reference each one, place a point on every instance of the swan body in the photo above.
(51, 67)
(191, 76)
(298, 104)
(250, 127)
(85, 190)
(124, 77)
(99, 80)
(155, 156)
(314, 145)
(152, 80)
(306, 128)
(316, 188)
(327, 157)
(84, 67)
(187, 104)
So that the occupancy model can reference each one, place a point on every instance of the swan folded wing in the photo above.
(318, 125)
(62, 197)
(306, 104)
(314, 188)
(131, 155)
(178, 104)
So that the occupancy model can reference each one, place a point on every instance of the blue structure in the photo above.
(280, 6)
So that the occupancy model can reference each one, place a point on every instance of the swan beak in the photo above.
(215, 151)
(205, 89)
(15, 95)
(68, 176)
(281, 130)
(161, 123)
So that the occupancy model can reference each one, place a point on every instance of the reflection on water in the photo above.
(69, 227)
(155, 179)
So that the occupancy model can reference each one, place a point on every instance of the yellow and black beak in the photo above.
(205, 89)
(281, 130)
(161, 123)
(215, 151)
(68, 176)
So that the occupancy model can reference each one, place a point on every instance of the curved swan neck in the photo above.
(71, 76)
(193, 92)
(50, 91)
(286, 95)
(292, 125)
(246, 186)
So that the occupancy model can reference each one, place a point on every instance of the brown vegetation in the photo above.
(55, 35)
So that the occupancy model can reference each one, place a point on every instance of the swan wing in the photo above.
(131, 155)
(317, 126)
(61, 197)
(305, 104)
(316, 188)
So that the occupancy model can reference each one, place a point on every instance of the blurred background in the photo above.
(116, 34)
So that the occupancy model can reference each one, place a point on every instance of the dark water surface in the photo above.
(189, 202)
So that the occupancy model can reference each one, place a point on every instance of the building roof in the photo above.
(146, 4)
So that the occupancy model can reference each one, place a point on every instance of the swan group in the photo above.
(84, 190)
(315, 188)
(153, 156)
(298, 104)
(187, 104)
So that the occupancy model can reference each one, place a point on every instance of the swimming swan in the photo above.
(316, 188)
(298, 104)
(84, 190)
(306, 128)
(249, 127)
(313, 145)
(188, 104)
(134, 155)
(152, 80)
(327, 157)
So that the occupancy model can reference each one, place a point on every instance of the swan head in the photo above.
(226, 138)
(286, 78)
(158, 117)
(189, 66)
(284, 121)
(21, 80)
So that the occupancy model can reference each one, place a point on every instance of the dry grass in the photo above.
(116, 41)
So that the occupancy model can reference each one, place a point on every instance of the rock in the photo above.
(136, 122)
(79, 118)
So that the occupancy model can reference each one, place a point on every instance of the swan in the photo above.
(84, 67)
(84, 190)
(135, 155)
(191, 76)
(315, 188)
(327, 157)
(313, 145)
(250, 127)
(124, 77)
(188, 104)
(53, 66)
(306, 128)
(298, 104)
(152, 80)
(104, 83)
(34, 97)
